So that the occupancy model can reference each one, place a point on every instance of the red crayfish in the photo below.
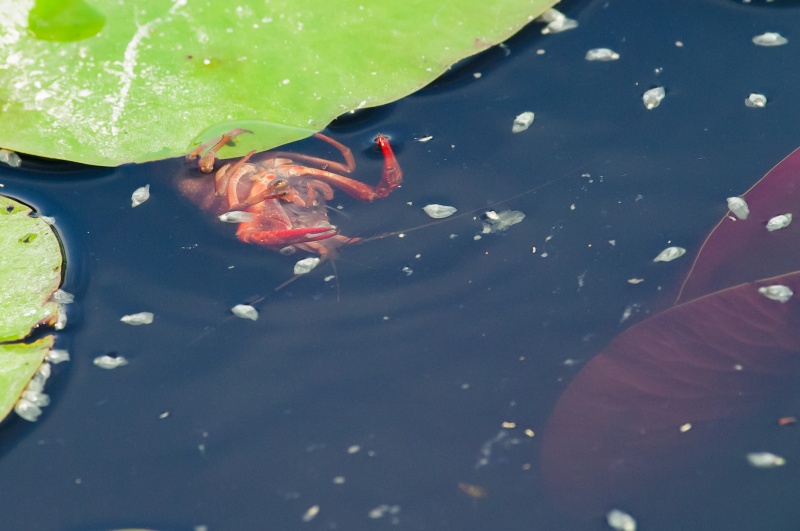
(279, 198)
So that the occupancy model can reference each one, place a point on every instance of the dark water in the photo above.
(261, 415)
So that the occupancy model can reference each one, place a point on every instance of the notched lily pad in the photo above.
(30, 270)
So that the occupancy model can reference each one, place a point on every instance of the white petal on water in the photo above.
(756, 100)
(776, 292)
(669, 254)
(305, 265)
(140, 195)
(500, 221)
(652, 98)
(57, 355)
(62, 297)
(110, 362)
(27, 410)
(245, 311)
(770, 39)
(621, 521)
(739, 207)
(779, 222)
(439, 211)
(136, 319)
(765, 460)
(236, 216)
(601, 54)
(522, 122)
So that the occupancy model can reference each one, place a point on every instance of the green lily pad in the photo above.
(30, 270)
(137, 80)
(18, 363)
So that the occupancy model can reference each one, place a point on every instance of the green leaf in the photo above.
(30, 270)
(160, 76)
(18, 363)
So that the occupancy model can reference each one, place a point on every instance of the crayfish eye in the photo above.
(279, 184)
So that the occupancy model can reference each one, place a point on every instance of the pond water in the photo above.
(376, 395)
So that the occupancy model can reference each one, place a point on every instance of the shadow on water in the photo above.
(377, 405)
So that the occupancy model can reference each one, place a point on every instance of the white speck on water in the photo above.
(311, 513)
(522, 122)
(62, 297)
(499, 221)
(110, 362)
(765, 460)
(236, 216)
(140, 195)
(556, 22)
(756, 101)
(601, 54)
(739, 207)
(669, 254)
(136, 319)
(27, 410)
(245, 311)
(620, 520)
(776, 292)
(57, 355)
(779, 222)
(10, 158)
(652, 98)
(439, 211)
(306, 265)
(770, 39)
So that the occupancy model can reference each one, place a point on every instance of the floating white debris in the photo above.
(765, 460)
(439, 211)
(556, 22)
(140, 195)
(776, 292)
(110, 362)
(779, 222)
(57, 355)
(756, 100)
(137, 319)
(739, 207)
(669, 254)
(500, 221)
(652, 98)
(770, 39)
(522, 122)
(50, 220)
(621, 521)
(408, 271)
(10, 158)
(601, 54)
(62, 297)
(245, 311)
(27, 410)
(424, 139)
(305, 265)
(311, 513)
(236, 216)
